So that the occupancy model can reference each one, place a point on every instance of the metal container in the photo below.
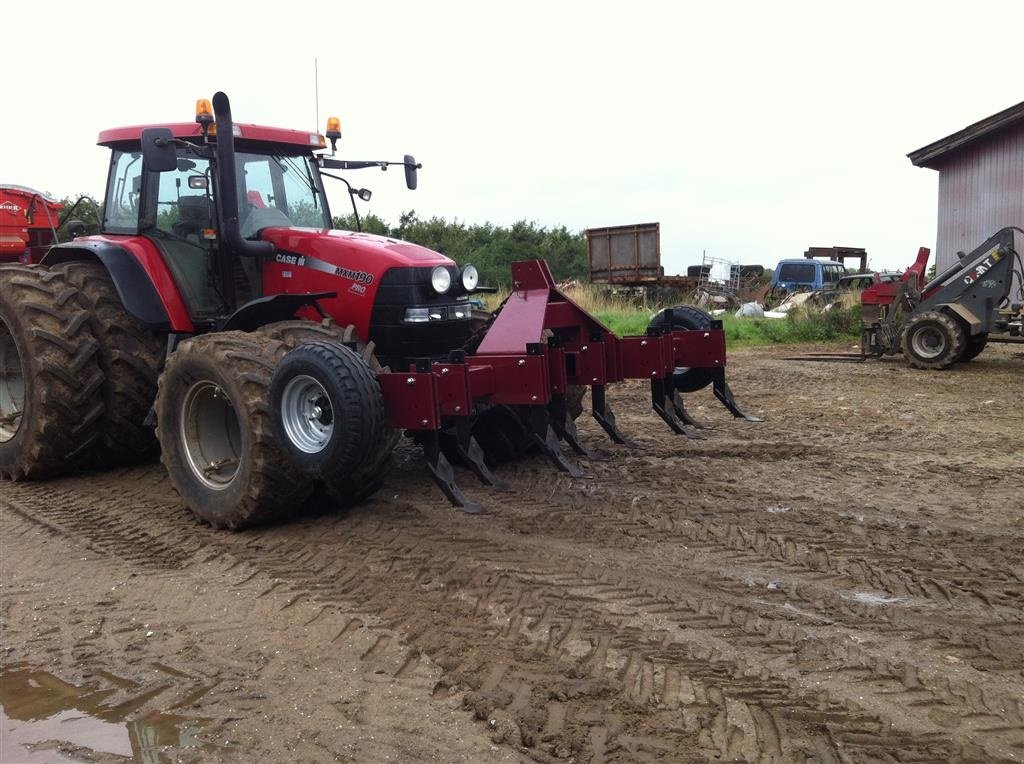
(625, 254)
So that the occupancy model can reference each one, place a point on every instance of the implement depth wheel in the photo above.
(933, 340)
(216, 434)
(686, 317)
(51, 404)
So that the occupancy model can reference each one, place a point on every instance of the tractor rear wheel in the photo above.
(689, 318)
(131, 356)
(363, 482)
(216, 433)
(51, 403)
(933, 340)
(974, 347)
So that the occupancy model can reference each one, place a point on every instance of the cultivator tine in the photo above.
(724, 394)
(691, 425)
(605, 417)
(546, 439)
(662, 401)
(470, 450)
(684, 415)
(443, 474)
(565, 427)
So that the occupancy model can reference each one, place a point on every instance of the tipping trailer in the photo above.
(281, 360)
(29, 220)
(953, 317)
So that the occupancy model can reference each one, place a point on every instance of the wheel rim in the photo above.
(211, 435)
(928, 342)
(307, 416)
(12, 384)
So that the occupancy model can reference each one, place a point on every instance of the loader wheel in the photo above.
(686, 317)
(51, 403)
(974, 347)
(328, 410)
(216, 432)
(368, 477)
(933, 340)
(131, 356)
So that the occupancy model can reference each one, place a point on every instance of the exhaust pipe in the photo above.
(228, 186)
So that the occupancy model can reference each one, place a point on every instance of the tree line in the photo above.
(491, 248)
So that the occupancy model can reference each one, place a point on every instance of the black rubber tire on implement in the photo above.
(974, 347)
(933, 340)
(53, 367)
(213, 407)
(131, 356)
(691, 319)
(369, 477)
(344, 389)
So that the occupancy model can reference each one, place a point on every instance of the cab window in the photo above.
(184, 203)
(124, 187)
(277, 191)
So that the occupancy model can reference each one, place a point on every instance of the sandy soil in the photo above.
(842, 582)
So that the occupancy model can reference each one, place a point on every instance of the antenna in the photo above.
(316, 93)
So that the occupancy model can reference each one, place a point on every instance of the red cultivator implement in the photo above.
(539, 347)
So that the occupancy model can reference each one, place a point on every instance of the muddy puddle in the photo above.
(45, 719)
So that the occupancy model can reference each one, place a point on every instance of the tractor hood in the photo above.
(352, 250)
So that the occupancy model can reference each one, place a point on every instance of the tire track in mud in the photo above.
(565, 656)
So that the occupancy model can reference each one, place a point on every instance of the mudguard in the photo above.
(134, 286)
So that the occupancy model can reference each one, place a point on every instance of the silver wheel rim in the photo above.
(211, 435)
(306, 414)
(928, 342)
(12, 384)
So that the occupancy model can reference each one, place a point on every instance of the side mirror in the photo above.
(158, 153)
(76, 228)
(410, 172)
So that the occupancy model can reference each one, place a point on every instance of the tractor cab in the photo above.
(178, 205)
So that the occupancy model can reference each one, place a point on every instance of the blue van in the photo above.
(806, 275)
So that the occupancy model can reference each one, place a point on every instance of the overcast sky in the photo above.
(749, 130)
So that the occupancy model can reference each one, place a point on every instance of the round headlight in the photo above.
(470, 278)
(440, 279)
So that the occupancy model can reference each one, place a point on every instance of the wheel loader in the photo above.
(952, 318)
(272, 361)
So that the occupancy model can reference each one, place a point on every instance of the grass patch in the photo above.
(805, 324)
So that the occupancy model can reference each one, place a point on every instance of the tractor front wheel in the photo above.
(51, 403)
(330, 418)
(216, 434)
(933, 340)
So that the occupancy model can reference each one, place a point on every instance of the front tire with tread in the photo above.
(933, 340)
(216, 433)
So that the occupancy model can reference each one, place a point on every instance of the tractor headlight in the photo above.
(470, 278)
(440, 279)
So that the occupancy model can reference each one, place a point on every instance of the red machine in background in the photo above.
(29, 220)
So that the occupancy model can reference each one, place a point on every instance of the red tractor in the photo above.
(280, 360)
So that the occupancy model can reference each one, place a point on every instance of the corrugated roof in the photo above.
(931, 155)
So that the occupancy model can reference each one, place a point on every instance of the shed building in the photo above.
(981, 181)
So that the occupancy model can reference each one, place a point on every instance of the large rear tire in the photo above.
(933, 340)
(51, 403)
(974, 347)
(216, 434)
(369, 477)
(689, 318)
(131, 356)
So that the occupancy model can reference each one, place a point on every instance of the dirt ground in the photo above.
(842, 582)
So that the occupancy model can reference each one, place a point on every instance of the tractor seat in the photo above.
(193, 216)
